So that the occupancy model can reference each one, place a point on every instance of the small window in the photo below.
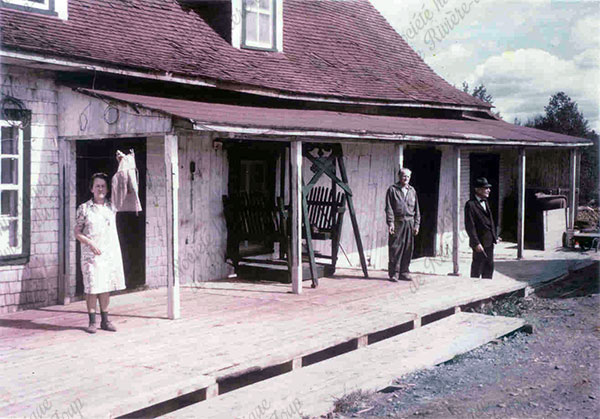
(259, 24)
(46, 7)
(14, 204)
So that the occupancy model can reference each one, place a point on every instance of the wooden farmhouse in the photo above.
(266, 133)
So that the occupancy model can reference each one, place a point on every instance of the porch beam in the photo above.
(172, 224)
(573, 188)
(296, 207)
(521, 207)
(456, 212)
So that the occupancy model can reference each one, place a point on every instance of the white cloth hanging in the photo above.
(125, 185)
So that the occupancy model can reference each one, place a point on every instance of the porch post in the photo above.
(573, 189)
(521, 210)
(295, 203)
(64, 233)
(398, 159)
(456, 211)
(172, 224)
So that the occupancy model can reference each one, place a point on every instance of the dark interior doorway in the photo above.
(486, 165)
(99, 156)
(252, 171)
(425, 166)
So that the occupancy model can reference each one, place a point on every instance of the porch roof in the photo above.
(317, 124)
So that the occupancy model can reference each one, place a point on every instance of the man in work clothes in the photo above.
(403, 219)
(480, 227)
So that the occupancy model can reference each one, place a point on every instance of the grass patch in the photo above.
(353, 402)
(511, 306)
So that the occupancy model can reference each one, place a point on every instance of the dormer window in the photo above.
(257, 24)
(47, 7)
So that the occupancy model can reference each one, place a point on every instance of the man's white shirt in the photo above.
(482, 203)
(404, 190)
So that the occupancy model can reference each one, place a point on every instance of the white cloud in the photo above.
(522, 81)
(586, 32)
(450, 63)
(523, 51)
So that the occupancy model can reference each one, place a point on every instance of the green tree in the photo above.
(563, 116)
(480, 92)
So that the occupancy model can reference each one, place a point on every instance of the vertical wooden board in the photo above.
(227, 269)
(521, 205)
(362, 196)
(382, 172)
(171, 172)
(185, 213)
(295, 205)
(204, 207)
(216, 212)
(219, 227)
(456, 206)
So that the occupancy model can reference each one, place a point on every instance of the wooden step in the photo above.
(312, 390)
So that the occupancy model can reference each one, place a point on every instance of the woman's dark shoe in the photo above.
(108, 326)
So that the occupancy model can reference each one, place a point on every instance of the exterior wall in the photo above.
(35, 284)
(156, 210)
(548, 169)
(445, 220)
(82, 117)
(202, 229)
(370, 169)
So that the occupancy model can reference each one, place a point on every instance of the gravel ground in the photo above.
(552, 373)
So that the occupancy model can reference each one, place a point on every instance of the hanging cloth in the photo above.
(125, 183)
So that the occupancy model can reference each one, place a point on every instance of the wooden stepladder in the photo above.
(325, 158)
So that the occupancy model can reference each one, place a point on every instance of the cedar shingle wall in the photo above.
(35, 284)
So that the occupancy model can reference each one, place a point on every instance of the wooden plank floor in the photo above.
(227, 328)
(311, 390)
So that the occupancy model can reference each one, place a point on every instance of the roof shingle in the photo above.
(343, 49)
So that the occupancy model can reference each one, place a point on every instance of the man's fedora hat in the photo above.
(482, 183)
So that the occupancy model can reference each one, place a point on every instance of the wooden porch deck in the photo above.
(231, 332)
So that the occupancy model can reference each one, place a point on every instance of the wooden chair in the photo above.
(253, 218)
(326, 215)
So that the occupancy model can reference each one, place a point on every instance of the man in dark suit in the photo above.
(481, 229)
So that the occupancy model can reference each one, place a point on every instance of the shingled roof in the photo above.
(340, 49)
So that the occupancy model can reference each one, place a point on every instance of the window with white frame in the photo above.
(46, 7)
(259, 24)
(11, 189)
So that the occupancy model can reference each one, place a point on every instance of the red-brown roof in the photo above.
(311, 123)
(331, 48)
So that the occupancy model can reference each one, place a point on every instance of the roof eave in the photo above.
(370, 136)
(53, 63)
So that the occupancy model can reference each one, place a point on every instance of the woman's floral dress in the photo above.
(104, 272)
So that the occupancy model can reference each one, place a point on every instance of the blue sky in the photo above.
(523, 51)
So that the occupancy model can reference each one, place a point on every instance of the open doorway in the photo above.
(486, 165)
(425, 166)
(99, 156)
(252, 173)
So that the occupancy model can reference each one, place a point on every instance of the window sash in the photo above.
(5, 220)
(46, 7)
(34, 4)
(257, 9)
